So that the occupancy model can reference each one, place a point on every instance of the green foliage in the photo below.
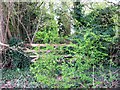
(18, 59)
(93, 48)
(73, 65)
(90, 49)
(102, 21)
(18, 78)
(71, 71)
(63, 19)
(48, 34)
(78, 13)
(54, 70)
(16, 56)
(14, 42)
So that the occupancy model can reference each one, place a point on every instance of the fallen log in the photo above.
(44, 45)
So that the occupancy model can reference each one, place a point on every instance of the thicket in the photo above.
(89, 49)
(92, 48)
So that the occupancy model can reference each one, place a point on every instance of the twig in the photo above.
(25, 30)
(7, 22)
(37, 25)
(93, 76)
(115, 71)
(115, 4)
(2, 44)
(12, 48)
(23, 27)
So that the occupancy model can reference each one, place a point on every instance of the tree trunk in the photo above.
(2, 31)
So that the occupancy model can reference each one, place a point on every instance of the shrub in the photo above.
(54, 70)
(15, 56)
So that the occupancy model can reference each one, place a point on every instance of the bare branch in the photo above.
(2, 44)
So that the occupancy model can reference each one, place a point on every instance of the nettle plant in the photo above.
(68, 66)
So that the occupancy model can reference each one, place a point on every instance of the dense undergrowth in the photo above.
(89, 58)
(67, 66)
